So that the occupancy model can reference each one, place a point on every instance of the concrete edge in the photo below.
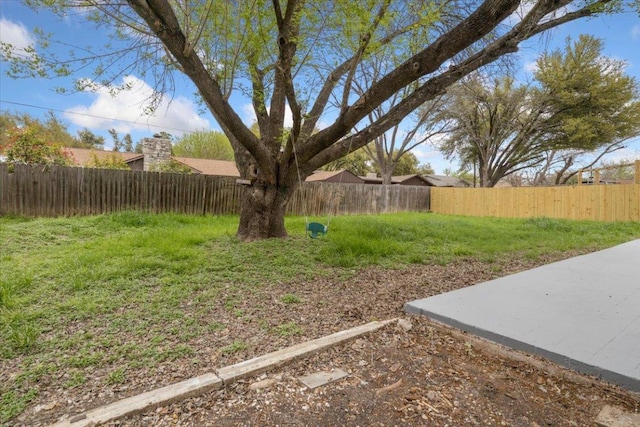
(213, 381)
(260, 364)
(631, 384)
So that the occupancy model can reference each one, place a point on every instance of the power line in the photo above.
(93, 116)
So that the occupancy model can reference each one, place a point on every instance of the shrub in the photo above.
(26, 146)
(108, 161)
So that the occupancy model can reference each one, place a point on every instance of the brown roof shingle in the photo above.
(82, 156)
(210, 166)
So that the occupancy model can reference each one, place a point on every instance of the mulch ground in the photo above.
(430, 375)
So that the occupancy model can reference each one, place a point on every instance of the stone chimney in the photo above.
(156, 151)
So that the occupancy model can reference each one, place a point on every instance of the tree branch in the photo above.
(161, 19)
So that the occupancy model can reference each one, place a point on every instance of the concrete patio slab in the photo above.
(582, 313)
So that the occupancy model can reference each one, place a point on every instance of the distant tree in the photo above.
(171, 166)
(128, 143)
(561, 166)
(463, 174)
(51, 129)
(138, 147)
(391, 151)
(90, 140)
(164, 135)
(204, 145)
(494, 128)
(593, 101)
(26, 145)
(583, 102)
(407, 164)
(597, 105)
(426, 169)
(617, 170)
(117, 144)
(357, 162)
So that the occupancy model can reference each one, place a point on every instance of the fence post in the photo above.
(637, 180)
(596, 180)
(580, 177)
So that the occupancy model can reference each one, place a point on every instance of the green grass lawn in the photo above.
(131, 273)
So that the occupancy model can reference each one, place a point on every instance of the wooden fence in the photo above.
(584, 202)
(63, 191)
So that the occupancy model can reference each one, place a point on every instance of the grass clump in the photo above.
(288, 329)
(290, 299)
(233, 348)
(116, 377)
(14, 402)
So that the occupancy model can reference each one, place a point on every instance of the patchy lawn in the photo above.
(96, 309)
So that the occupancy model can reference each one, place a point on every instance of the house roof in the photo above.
(445, 181)
(338, 176)
(210, 166)
(323, 175)
(402, 178)
(398, 180)
(82, 156)
(371, 177)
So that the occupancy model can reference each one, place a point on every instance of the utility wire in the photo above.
(92, 115)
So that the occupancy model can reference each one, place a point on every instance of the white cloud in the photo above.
(523, 9)
(635, 32)
(526, 7)
(124, 111)
(15, 34)
(531, 66)
(249, 115)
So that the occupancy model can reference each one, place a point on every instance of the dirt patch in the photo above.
(430, 375)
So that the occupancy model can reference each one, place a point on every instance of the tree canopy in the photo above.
(303, 58)
(51, 129)
(27, 146)
(204, 145)
(581, 102)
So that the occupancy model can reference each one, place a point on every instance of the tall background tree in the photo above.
(597, 105)
(357, 162)
(88, 139)
(305, 57)
(204, 145)
(497, 131)
(581, 103)
(390, 153)
(50, 129)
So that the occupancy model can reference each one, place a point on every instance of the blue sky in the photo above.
(180, 113)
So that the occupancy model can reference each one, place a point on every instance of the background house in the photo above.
(419, 180)
(157, 150)
(445, 181)
(342, 176)
(373, 178)
(85, 157)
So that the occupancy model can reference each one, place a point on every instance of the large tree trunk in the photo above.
(262, 210)
(386, 172)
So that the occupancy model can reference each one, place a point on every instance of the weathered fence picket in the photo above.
(62, 191)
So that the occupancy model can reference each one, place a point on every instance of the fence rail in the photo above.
(63, 191)
(584, 202)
